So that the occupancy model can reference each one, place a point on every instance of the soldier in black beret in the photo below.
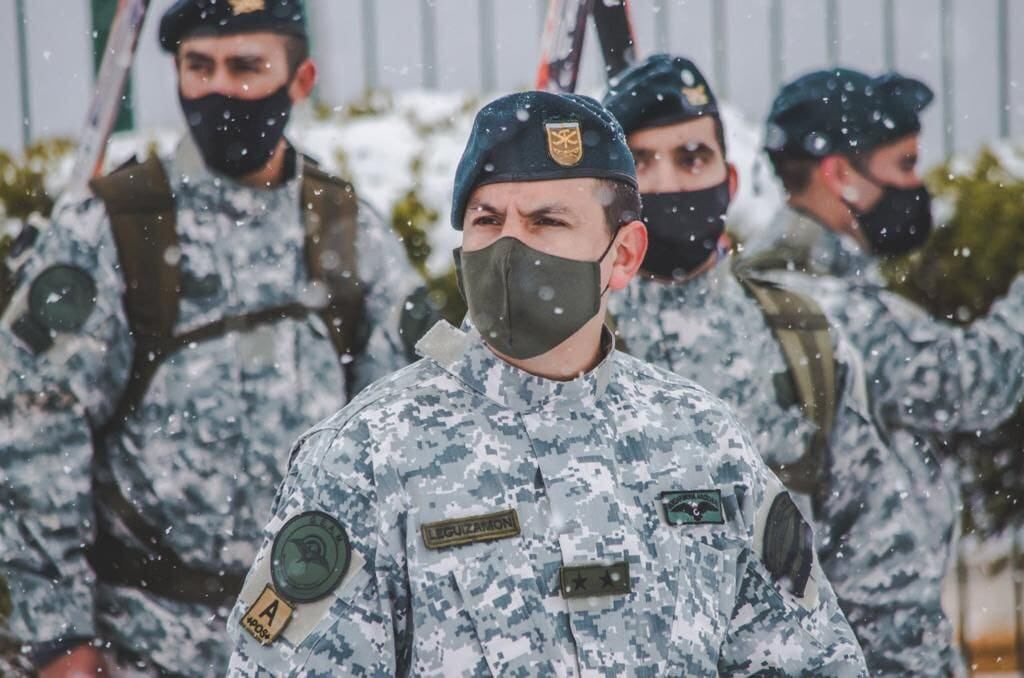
(845, 146)
(670, 116)
(526, 500)
(217, 301)
(547, 200)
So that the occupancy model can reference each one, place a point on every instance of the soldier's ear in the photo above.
(303, 81)
(832, 171)
(627, 253)
(734, 180)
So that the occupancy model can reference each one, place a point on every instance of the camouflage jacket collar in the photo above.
(463, 354)
(185, 168)
(712, 287)
(825, 251)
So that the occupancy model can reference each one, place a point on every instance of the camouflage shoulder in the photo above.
(675, 386)
(704, 405)
(82, 219)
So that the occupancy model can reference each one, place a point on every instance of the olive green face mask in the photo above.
(524, 302)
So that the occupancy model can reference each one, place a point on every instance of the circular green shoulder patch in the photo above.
(62, 297)
(310, 557)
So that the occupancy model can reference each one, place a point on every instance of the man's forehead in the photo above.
(904, 145)
(685, 133)
(530, 195)
(263, 44)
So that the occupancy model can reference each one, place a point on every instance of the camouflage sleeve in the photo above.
(328, 513)
(65, 351)
(928, 375)
(885, 559)
(385, 269)
(785, 619)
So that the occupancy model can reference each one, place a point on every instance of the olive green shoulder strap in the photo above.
(141, 210)
(802, 330)
(331, 216)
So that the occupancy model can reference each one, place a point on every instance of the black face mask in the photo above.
(237, 136)
(900, 222)
(683, 228)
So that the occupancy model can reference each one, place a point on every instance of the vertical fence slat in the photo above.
(662, 24)
(23, 79)
(889, 35)
(488, 45)
(720, 53)
(428, 28)
(775, 38)
(948, 100)
(371, 66)
(1003, 56)
(832, 32)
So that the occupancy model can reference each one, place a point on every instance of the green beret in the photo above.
(186, 18)
(844, 111)
(661, 90)
(537, 136)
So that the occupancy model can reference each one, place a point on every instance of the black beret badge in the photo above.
(565, 143)
(246, 6)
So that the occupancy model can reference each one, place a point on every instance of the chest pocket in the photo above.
(500, 594)
(706, 589)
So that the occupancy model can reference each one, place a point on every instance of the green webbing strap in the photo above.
(142, 212)
(802, 331)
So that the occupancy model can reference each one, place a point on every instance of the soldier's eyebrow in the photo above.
(484, 207)
(553, 209)
(246, 61)
(698, 148)
(197, 58)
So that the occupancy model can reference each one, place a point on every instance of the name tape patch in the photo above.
(459, 531)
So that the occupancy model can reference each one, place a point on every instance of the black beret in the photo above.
(844, 111)
(661, 90)
(536, 136)
(226, 17)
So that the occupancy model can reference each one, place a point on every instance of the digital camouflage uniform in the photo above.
(925, 377)
(923, 374)
(203, 455)
(581, 463)
(882, 539)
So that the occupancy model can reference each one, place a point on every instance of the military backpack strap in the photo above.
(331, 217)
(802, 330)
(141, 210)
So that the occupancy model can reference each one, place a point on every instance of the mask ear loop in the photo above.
(600, 260)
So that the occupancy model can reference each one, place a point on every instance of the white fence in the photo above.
(970, 51)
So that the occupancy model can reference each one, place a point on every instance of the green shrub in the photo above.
(23, 181)
(966, 265)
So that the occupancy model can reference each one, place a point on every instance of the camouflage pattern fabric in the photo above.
(884, 529)
(202, 456)
(582, 463)
(923, 374)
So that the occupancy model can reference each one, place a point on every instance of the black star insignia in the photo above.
(607, 579)
(579, 583)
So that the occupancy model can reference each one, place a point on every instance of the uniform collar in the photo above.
(706, 288)
(463, 354)
(826, 252)
(187, 167)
